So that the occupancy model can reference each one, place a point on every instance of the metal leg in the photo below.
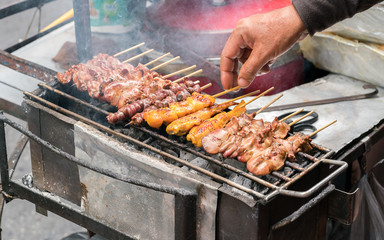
(3, 166)
(82, 30)
(6, 164)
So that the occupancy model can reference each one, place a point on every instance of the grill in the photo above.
(262, 188)
(134, 182)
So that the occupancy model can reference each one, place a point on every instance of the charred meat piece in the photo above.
(196, 134)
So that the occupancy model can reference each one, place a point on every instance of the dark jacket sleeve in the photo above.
(317, 15)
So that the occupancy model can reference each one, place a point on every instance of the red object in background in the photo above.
(204, 29)
(201, 15)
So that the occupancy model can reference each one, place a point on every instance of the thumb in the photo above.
(250, 68)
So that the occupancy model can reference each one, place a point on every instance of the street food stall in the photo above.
(85, 80)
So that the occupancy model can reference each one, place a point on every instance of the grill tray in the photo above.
(92, 112)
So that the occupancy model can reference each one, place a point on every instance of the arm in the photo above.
(257, 40)
(317, 15)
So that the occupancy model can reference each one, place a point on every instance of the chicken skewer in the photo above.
(196, 134)
(138, 118)
(157, 117)
(243, 132)
(254, 140)
(273, 158)
(182, 125)
(160, 98)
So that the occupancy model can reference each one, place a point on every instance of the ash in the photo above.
(27, 180)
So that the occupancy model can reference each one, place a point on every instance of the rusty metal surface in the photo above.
(12, 109)
(33, 120)
(342, 206)
(64, 209)
(26, 67)
(52, 172)
(152, 214)
(324, 193)
(16, 153)
(237, 220)
(183, 198)
(3, 156)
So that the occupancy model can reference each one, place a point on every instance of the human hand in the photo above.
(256, 41)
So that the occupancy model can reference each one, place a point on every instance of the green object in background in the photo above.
(110, 16)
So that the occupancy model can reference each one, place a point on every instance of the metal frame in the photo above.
(185, 201)
(20, 6)
(263, 198)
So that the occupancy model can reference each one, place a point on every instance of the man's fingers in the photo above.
(229, 79)
(245, 55)
(250, 68)
(229, 60)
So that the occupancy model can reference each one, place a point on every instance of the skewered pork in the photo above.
(102, 69)
(130, 89)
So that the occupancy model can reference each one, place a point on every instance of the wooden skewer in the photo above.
(274, 100)
(180, 71)
(197, 82)
(301, 118)
(157, 59)
(291, 115)
(139, 55)
(258, 96)
(246, 95)
(206, 86)
(226, 91)
(189, 75)
(165, 63)
(129, 49)
(320, 129)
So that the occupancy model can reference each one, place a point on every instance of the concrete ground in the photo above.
(19, 219)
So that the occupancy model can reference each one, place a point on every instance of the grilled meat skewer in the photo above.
(155, 118)
(246, 131)
(273, 158)
(160, 98)
(196, 134)
(182, 125)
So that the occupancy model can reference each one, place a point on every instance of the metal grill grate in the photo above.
(263, 188)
